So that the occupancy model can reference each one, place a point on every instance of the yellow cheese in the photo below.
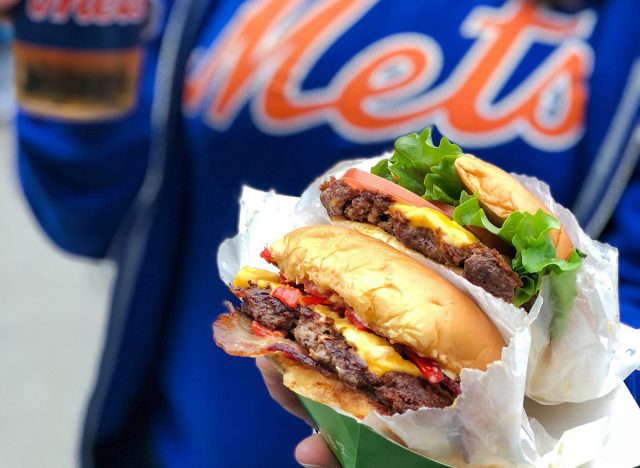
(452, 233)
(262, 278)
(379, 355)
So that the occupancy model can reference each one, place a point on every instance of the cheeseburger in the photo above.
(357, 324)
(461, 212)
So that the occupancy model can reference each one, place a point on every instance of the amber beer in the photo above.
(78, 59)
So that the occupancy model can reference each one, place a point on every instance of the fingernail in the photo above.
(312, 466)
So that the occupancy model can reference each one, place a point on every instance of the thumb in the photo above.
(314, 452)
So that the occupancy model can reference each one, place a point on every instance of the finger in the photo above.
(314, 452)
(281, 394)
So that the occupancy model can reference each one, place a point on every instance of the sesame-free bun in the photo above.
(378, 233)
(502, 194)
(396, 296)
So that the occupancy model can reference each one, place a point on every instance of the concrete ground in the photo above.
(52, 316)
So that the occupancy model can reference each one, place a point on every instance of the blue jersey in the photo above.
(275, 92)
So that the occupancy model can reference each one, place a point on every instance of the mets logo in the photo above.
(264, 54)
(88, 12)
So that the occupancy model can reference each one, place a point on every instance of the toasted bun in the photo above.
(326, 390)
(377, 233)
(501, 194)
(393, 294)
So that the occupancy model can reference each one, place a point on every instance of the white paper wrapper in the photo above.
(488, 424)
(594, 355)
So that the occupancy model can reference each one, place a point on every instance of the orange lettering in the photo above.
(251, 48)
(38, 9)
(360, 90)
(85, 11)
(385, 89)
(507, 34)
(252, 23)
(278, 98)
(62, 11)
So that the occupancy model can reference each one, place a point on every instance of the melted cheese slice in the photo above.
(450, 231)
(262, 278)
(379, 355)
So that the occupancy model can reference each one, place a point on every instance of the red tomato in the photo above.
(260, 330)
(429, 368)
(313, 300)
(287, 295)
(266, 254)
(349, 314)
(360, 179)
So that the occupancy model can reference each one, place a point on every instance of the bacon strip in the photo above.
(232, 332)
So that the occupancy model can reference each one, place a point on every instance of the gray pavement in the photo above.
(52, 315)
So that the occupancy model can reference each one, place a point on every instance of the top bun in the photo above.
(501, 194)
(393, 294)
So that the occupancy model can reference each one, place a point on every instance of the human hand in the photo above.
(312, 451)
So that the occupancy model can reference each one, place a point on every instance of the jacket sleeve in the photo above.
(80, 179)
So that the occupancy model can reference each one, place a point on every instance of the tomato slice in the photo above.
(350, 315)
(266, 254)
(287, 295)
(314, 300)
(429, 368)
(260, 330)
(359, 179)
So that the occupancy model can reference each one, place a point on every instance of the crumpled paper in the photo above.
(488, 424)
(594, 355)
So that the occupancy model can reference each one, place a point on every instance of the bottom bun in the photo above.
(326, 390)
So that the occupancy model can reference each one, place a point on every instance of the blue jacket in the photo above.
(146, 189)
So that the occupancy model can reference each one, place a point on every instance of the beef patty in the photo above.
(482, 265)
(396, 391)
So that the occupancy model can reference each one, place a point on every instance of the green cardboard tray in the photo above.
(356, 445)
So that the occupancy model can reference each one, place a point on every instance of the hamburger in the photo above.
(462, 212)
(357, 324)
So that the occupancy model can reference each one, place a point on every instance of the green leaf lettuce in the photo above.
(417, 164)
(428, 170)
(529, 235)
